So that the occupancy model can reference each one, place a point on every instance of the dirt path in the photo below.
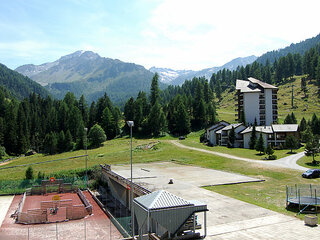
(286, 162)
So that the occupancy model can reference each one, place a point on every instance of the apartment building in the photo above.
(256, 100)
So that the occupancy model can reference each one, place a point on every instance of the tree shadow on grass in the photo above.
(293, 152)
(313, 164)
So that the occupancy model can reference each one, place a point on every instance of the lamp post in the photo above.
(131, 124)
(86, 130)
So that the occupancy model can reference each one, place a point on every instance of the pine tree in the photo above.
(154, 91)
(288, 119)
(269, 150)
(312, 148)
(156, 120)
(182, 119)
(61, 142)
(293, 118)
(291, 142)
(92, 115)
(108, 123)
(68, 141)
(50, 143)
(83, 107)
(253, 138)
(303, 125)
(231, 137)
(260, 144)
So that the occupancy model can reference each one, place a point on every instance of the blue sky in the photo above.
(178, 34)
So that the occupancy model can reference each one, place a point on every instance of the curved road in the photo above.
(286, 162)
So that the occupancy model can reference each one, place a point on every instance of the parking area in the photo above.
(227, 218)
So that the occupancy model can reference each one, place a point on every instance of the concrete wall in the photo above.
(268, 99)
(251, 107)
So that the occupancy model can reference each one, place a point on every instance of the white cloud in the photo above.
(206, 33)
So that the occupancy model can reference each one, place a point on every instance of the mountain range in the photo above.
(177, 77)
(85, 72)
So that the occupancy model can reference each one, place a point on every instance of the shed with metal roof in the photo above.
(166, 214)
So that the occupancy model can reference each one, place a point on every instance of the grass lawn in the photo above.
(307, 162)
(193, 141)
(269, 194)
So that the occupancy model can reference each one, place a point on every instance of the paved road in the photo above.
(286, 162)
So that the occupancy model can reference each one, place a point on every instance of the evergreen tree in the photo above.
(108, 123)
(260, 144)
(154, 91)
(92, 115)
(312, 148)
(156, 120)
(61, 142)
(253, 138)
(96, 136)
(288, 119)
(315, 124)
(50, 143)
(293, 118)
(291, 142)
(182, 119)
(29, 173)
(2, 152)
(83, 107)
(68, 141)
(303, 125)
(2, 131)
(231, 137)
(307, 134)
(269, 150)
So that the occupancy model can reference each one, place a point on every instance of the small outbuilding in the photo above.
(167, 215)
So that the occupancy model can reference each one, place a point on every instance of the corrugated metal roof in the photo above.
(161, 199)
(285, 127)
(263, 129)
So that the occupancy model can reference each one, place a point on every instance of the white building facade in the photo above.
(256, 100)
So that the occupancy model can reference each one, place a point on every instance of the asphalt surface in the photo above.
(286, 162)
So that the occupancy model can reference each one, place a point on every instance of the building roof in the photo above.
(218, 124)
(245, 86)
(285, 127)
(262, 129)
(234, 125)
(161, 199)
(262, 84)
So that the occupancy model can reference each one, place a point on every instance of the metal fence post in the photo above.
(57, 231)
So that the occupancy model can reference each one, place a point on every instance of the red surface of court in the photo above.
(96, 226)
(32, 202)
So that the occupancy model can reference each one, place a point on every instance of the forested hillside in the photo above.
(18, 85)
(294, 48)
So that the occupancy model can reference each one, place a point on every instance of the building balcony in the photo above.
(262, 112)
(274, 97)
(236, 115)
(275, 118)
(262, 102)
(275, 91)
(274, 107)
(275, 112)
(262, 118)
(274, 101)
(262, 107)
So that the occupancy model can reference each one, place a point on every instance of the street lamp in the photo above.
(86, 130)
(131, 124)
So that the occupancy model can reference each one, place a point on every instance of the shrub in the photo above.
(29, 173)
(272, 157)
